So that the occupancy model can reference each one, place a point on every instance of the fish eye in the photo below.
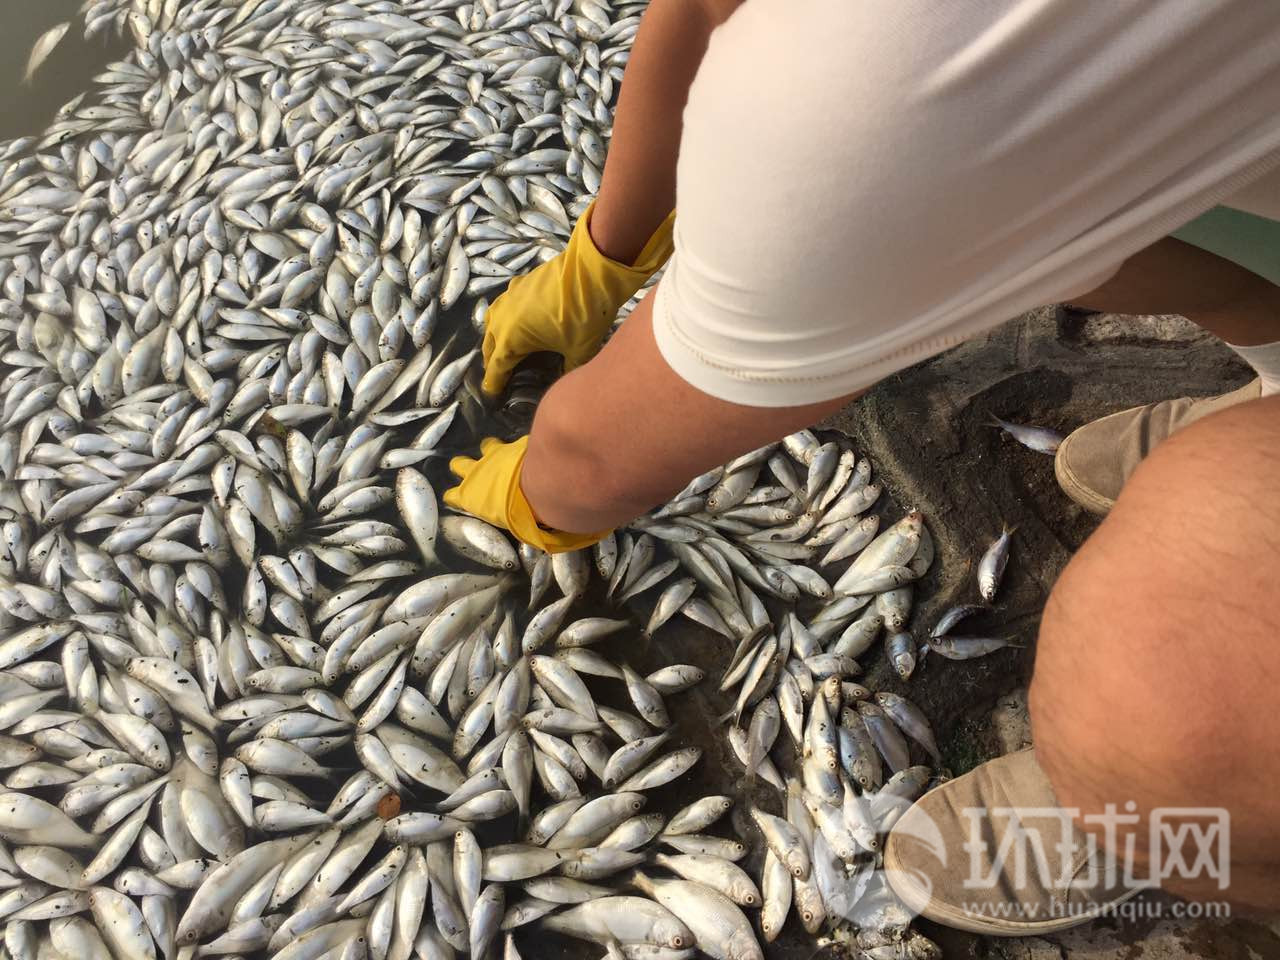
(751, 899)
(635, 804)
(677, 941)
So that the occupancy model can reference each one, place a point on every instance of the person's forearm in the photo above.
(638, 188)
(624, 433)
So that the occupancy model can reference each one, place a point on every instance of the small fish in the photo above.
(1039, 439)
(954, 615)
(991, 566)
(41, 49)
(967, 648)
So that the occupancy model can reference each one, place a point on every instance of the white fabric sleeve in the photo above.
(862, 184)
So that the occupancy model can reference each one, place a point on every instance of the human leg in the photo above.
(1155, 674)
(1173, 276)
(1162, 628)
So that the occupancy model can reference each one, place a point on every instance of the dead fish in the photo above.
(991, 566)
(41, 49)
(1039, 439)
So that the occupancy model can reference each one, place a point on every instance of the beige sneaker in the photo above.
(992, 853)
(1094, 462)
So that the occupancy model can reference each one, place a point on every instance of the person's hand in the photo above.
(490, 490)
(567, 304)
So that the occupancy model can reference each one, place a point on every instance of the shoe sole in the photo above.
(919, 902)
(1075, 488)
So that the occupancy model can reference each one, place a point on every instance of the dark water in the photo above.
(69, 69)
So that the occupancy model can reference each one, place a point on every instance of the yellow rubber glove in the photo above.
(490, 490)
(567, 304)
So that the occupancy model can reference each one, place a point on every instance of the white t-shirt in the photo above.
(863, 183)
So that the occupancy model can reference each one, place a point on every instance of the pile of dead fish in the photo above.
(745, 546)
(259, 697)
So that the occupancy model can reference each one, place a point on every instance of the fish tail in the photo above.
(640, 882)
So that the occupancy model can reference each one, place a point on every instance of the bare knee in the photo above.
(1157, 664)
